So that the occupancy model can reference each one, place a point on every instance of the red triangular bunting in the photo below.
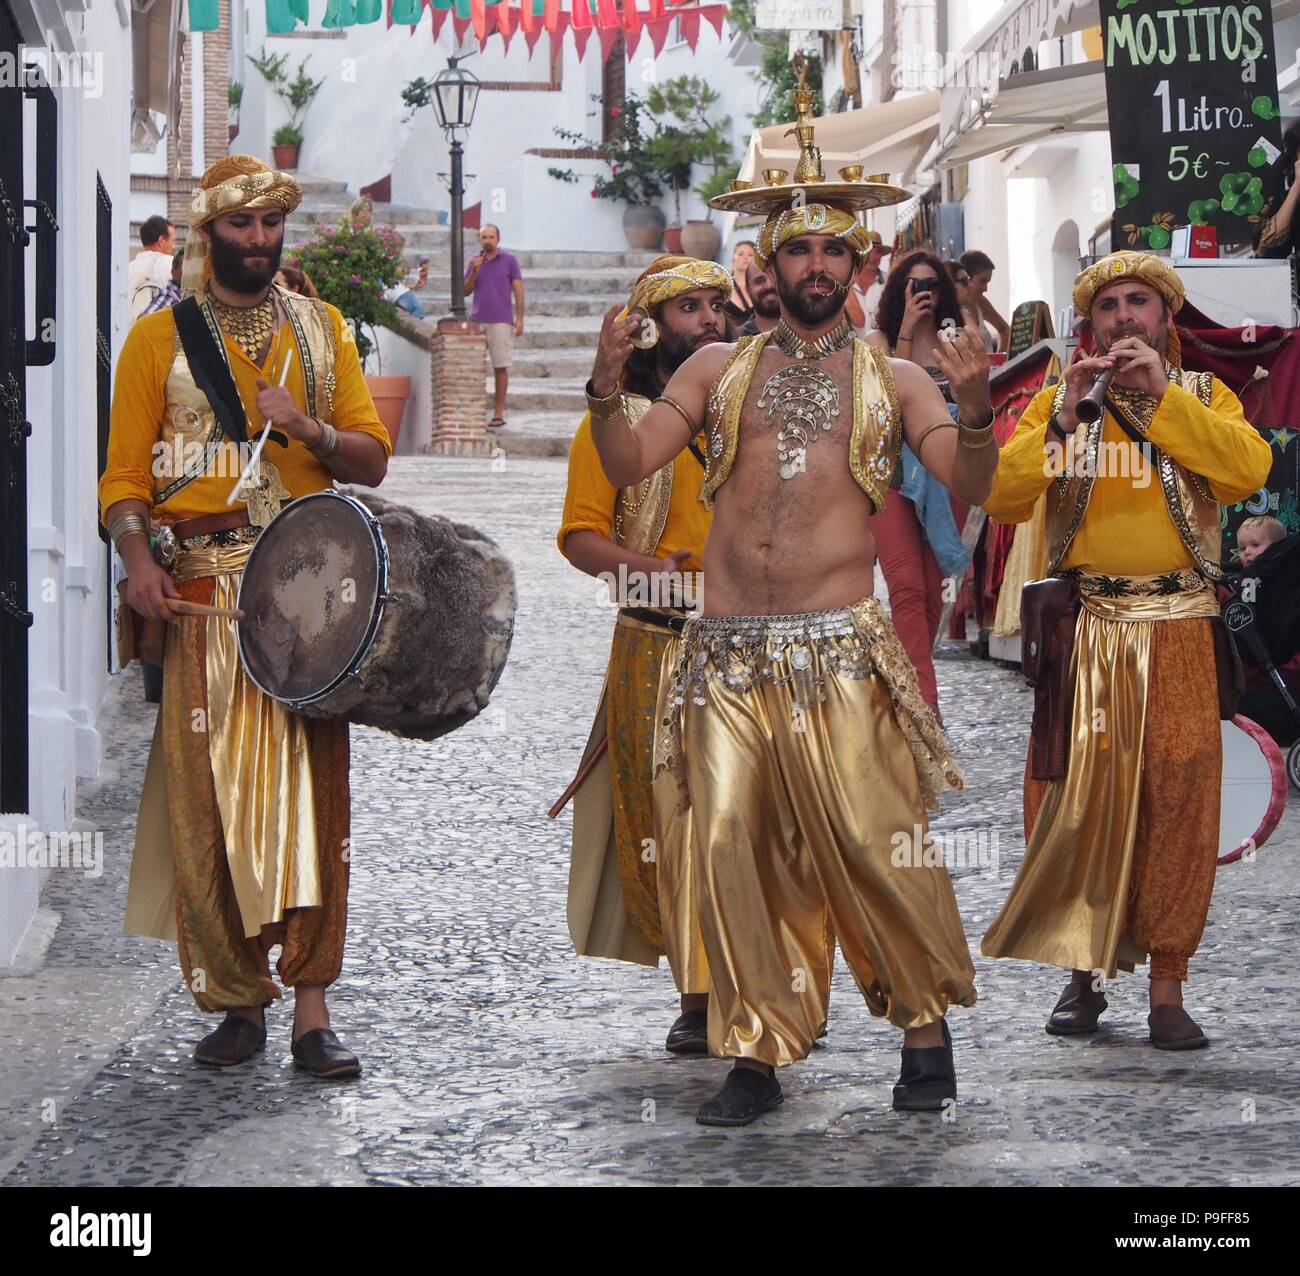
(608, 37)
(478, 17)
(440, 17)
(691, 28)
(715, 14)
(659, 33)
(580, 37)
(531, 38)
(633, 39)
(581, 17)
(459, 26)
(551, 14)
(656, 9)
(527, 18)
(606, 15)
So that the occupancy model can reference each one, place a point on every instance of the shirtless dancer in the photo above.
(792, 727)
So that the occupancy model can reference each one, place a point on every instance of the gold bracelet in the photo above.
(327, 444)
(681, 411)
(125, 525)
(603, 409)
(969, 437)
(929, 429)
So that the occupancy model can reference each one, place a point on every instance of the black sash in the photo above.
(697, 454)
(1149, 449)
(212, 374)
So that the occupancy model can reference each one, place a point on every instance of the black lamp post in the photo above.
(455, 95)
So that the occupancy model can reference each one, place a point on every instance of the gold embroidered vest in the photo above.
(188, 416)
(1191, 504)
(875, 443)
(640, 511)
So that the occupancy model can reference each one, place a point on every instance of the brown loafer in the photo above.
(1172, 1028)
(235, 1040)
(322, 1054)
(1077, 1011)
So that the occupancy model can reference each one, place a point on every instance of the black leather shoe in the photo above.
(322, 1054)
(927, 1079)
(689, 1033)
(235, 1040)
(745, 1095)
(1077, 1011)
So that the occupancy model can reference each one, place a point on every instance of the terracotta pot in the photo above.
(284, 156)
(390, 395)
(643, 224)
(701, 239)
(673, 239)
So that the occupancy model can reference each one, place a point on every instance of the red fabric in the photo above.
(607, 15)
(631, 18)
(506, 21)
(551, 15)
(580, 38)
(608, 37)
(440, 17)
(659, 33)
(691, 28)
(915, 585)
(478, 19)
(527, 20)
(715, 13)
(581, 21)
(459, 26)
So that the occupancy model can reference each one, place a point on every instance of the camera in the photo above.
(923, 285)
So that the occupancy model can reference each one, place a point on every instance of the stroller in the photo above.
(1266, 634)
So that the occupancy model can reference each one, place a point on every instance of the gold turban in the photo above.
(668, 277)
(234, 183)
(1123, 266)
(812, 219)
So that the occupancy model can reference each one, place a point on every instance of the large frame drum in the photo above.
(359, 609)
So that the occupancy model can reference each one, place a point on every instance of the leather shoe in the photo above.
(927, 1080)
(745, 1095)
(689, 1033)
(1077, 1011)
(235, 1040)
(322, 1054)
(1172, 1028)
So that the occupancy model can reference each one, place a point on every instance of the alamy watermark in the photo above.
(952, 849)
(31, 68)
(30, 848)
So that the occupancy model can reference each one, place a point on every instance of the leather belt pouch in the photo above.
(1048, 609)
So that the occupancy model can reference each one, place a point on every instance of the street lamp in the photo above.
(455, 95)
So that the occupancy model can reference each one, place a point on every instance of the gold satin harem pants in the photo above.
(795, 803)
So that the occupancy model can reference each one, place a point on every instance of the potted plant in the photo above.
(352, 265)
(702, 238)
(286, 141)
(677, 147)
(633, 174)
(296, 94)
(234, 96)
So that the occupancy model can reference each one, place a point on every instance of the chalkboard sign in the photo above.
(1191, 94)
(1031, 322)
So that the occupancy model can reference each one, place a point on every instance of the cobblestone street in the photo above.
(493, 1055)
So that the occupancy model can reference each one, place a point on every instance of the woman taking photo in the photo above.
(917, 537)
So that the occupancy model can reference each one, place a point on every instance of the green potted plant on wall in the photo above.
(633, 179)
(678, 147)
(352, 265)
(296, 94)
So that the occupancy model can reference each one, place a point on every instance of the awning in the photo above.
(892, 138)
(1026, 24)
(156, 66)
(1033, 107)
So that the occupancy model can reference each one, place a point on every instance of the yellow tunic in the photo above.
(1127, 530)
(140, 466)
(589, 501)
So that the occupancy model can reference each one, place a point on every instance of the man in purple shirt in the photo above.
(493, 279)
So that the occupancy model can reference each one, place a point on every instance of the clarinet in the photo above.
(1088, 409)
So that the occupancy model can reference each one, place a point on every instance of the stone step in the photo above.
(546, 394)
(537, 433)
(549, 365)
(554, 305)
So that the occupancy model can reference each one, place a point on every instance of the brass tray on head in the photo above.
(856, 196)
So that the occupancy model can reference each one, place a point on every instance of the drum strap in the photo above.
(698, 455)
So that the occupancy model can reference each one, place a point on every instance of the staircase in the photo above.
(566, 294)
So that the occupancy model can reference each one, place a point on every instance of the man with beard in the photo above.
(242, 840)
(626, 899)
(766, 302)
(1122, 842)
(793, 739)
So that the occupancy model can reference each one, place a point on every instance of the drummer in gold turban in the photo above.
(244, 819)
(628, 897)
(1123, 836)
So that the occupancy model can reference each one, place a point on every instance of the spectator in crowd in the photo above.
(1255, 535)
(740, 306)
(1276, 230)
(968, 301)
(171, 294)
(917, 537)
(493, 279)
(296, 280)
(151, 268)
(403, 296)
(868, 284)
(766, 304)
(979, 266)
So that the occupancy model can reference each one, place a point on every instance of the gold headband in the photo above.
(812, 219)
(1127, 266)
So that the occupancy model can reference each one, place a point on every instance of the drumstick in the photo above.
(184, 607)
(583, 771)
(257, 451)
